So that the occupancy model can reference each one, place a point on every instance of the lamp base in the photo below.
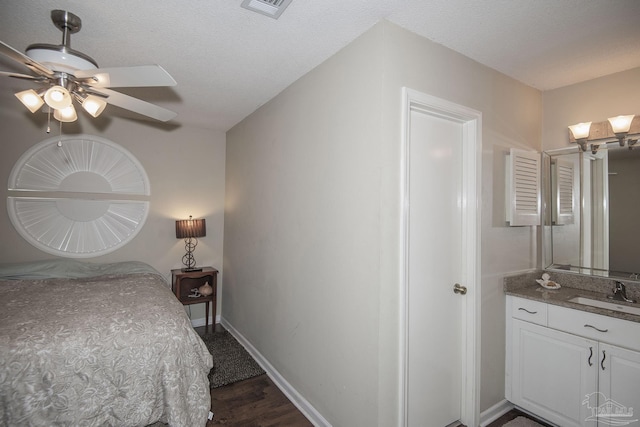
(187, 269)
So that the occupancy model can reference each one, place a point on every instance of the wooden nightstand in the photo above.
(183, 281)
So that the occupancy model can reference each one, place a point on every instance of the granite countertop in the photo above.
(525, 286)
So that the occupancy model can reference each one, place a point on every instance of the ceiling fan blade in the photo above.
(137, 105)
(138, 76)
(23, 76)
(20, 57)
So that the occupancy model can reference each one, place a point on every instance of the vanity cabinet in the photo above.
(568, 376)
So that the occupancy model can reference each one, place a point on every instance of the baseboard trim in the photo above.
(292, 394)
(496, 411)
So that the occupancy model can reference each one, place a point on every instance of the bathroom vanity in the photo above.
(572, 354)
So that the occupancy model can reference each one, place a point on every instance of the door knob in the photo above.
(458, 289)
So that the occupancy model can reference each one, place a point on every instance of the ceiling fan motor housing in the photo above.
(61, 57)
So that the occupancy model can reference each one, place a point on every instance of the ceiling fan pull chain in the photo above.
(60, 135)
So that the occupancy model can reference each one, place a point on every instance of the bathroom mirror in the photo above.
(591, 218)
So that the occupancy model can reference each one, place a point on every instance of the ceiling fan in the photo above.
(67, 75)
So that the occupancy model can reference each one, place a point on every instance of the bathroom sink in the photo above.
(606, 305)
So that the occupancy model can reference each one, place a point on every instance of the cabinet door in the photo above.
(619, 395)
(553, 372)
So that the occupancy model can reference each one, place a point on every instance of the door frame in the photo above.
(471, 121)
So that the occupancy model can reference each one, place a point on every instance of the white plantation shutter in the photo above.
(523, 187)
(563, 193)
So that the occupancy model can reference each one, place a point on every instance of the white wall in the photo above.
(312, 219)
(185, 168)
(302, 230)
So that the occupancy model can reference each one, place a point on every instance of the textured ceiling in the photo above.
(228, 61)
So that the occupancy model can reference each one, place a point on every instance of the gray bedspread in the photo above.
(112, 350)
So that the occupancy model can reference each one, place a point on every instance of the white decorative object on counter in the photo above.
(546, 283)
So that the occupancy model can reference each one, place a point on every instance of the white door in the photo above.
(439, 385)
(435, 312)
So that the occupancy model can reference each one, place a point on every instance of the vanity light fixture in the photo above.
(580, 133)
(620, 126)
(614, 129)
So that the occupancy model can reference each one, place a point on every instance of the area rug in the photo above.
(522, 422)
(231, 362)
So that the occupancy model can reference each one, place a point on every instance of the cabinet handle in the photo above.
(590, 356)
(604, 356)
(530, 312)
(599, 330)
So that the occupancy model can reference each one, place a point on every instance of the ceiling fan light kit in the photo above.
(69, 74)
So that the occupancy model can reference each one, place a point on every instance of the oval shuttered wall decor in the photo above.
(78, 196)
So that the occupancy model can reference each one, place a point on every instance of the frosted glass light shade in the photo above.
(621, 124)
(580, 130)
(67, 114)
(30, 99)
(94, 105)
(57, 97)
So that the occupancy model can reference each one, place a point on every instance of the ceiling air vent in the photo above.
(272, 8)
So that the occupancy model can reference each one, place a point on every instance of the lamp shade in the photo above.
(30, 99)
(581, 130)
(94, 105)
(57, 97)
(67, 114)
(621, 124)
(186, 228)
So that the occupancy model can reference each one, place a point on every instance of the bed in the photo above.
(87, 344)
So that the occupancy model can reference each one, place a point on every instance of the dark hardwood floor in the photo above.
(258, 402)
(254, 402)
(511, 415)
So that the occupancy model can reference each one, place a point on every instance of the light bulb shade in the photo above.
(57, 97)
(30, 99)
(65, 114)
(186, 228)
(94, 105)
(621, 124)
(581, 130)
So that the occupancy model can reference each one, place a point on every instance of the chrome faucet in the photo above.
(620, 293)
